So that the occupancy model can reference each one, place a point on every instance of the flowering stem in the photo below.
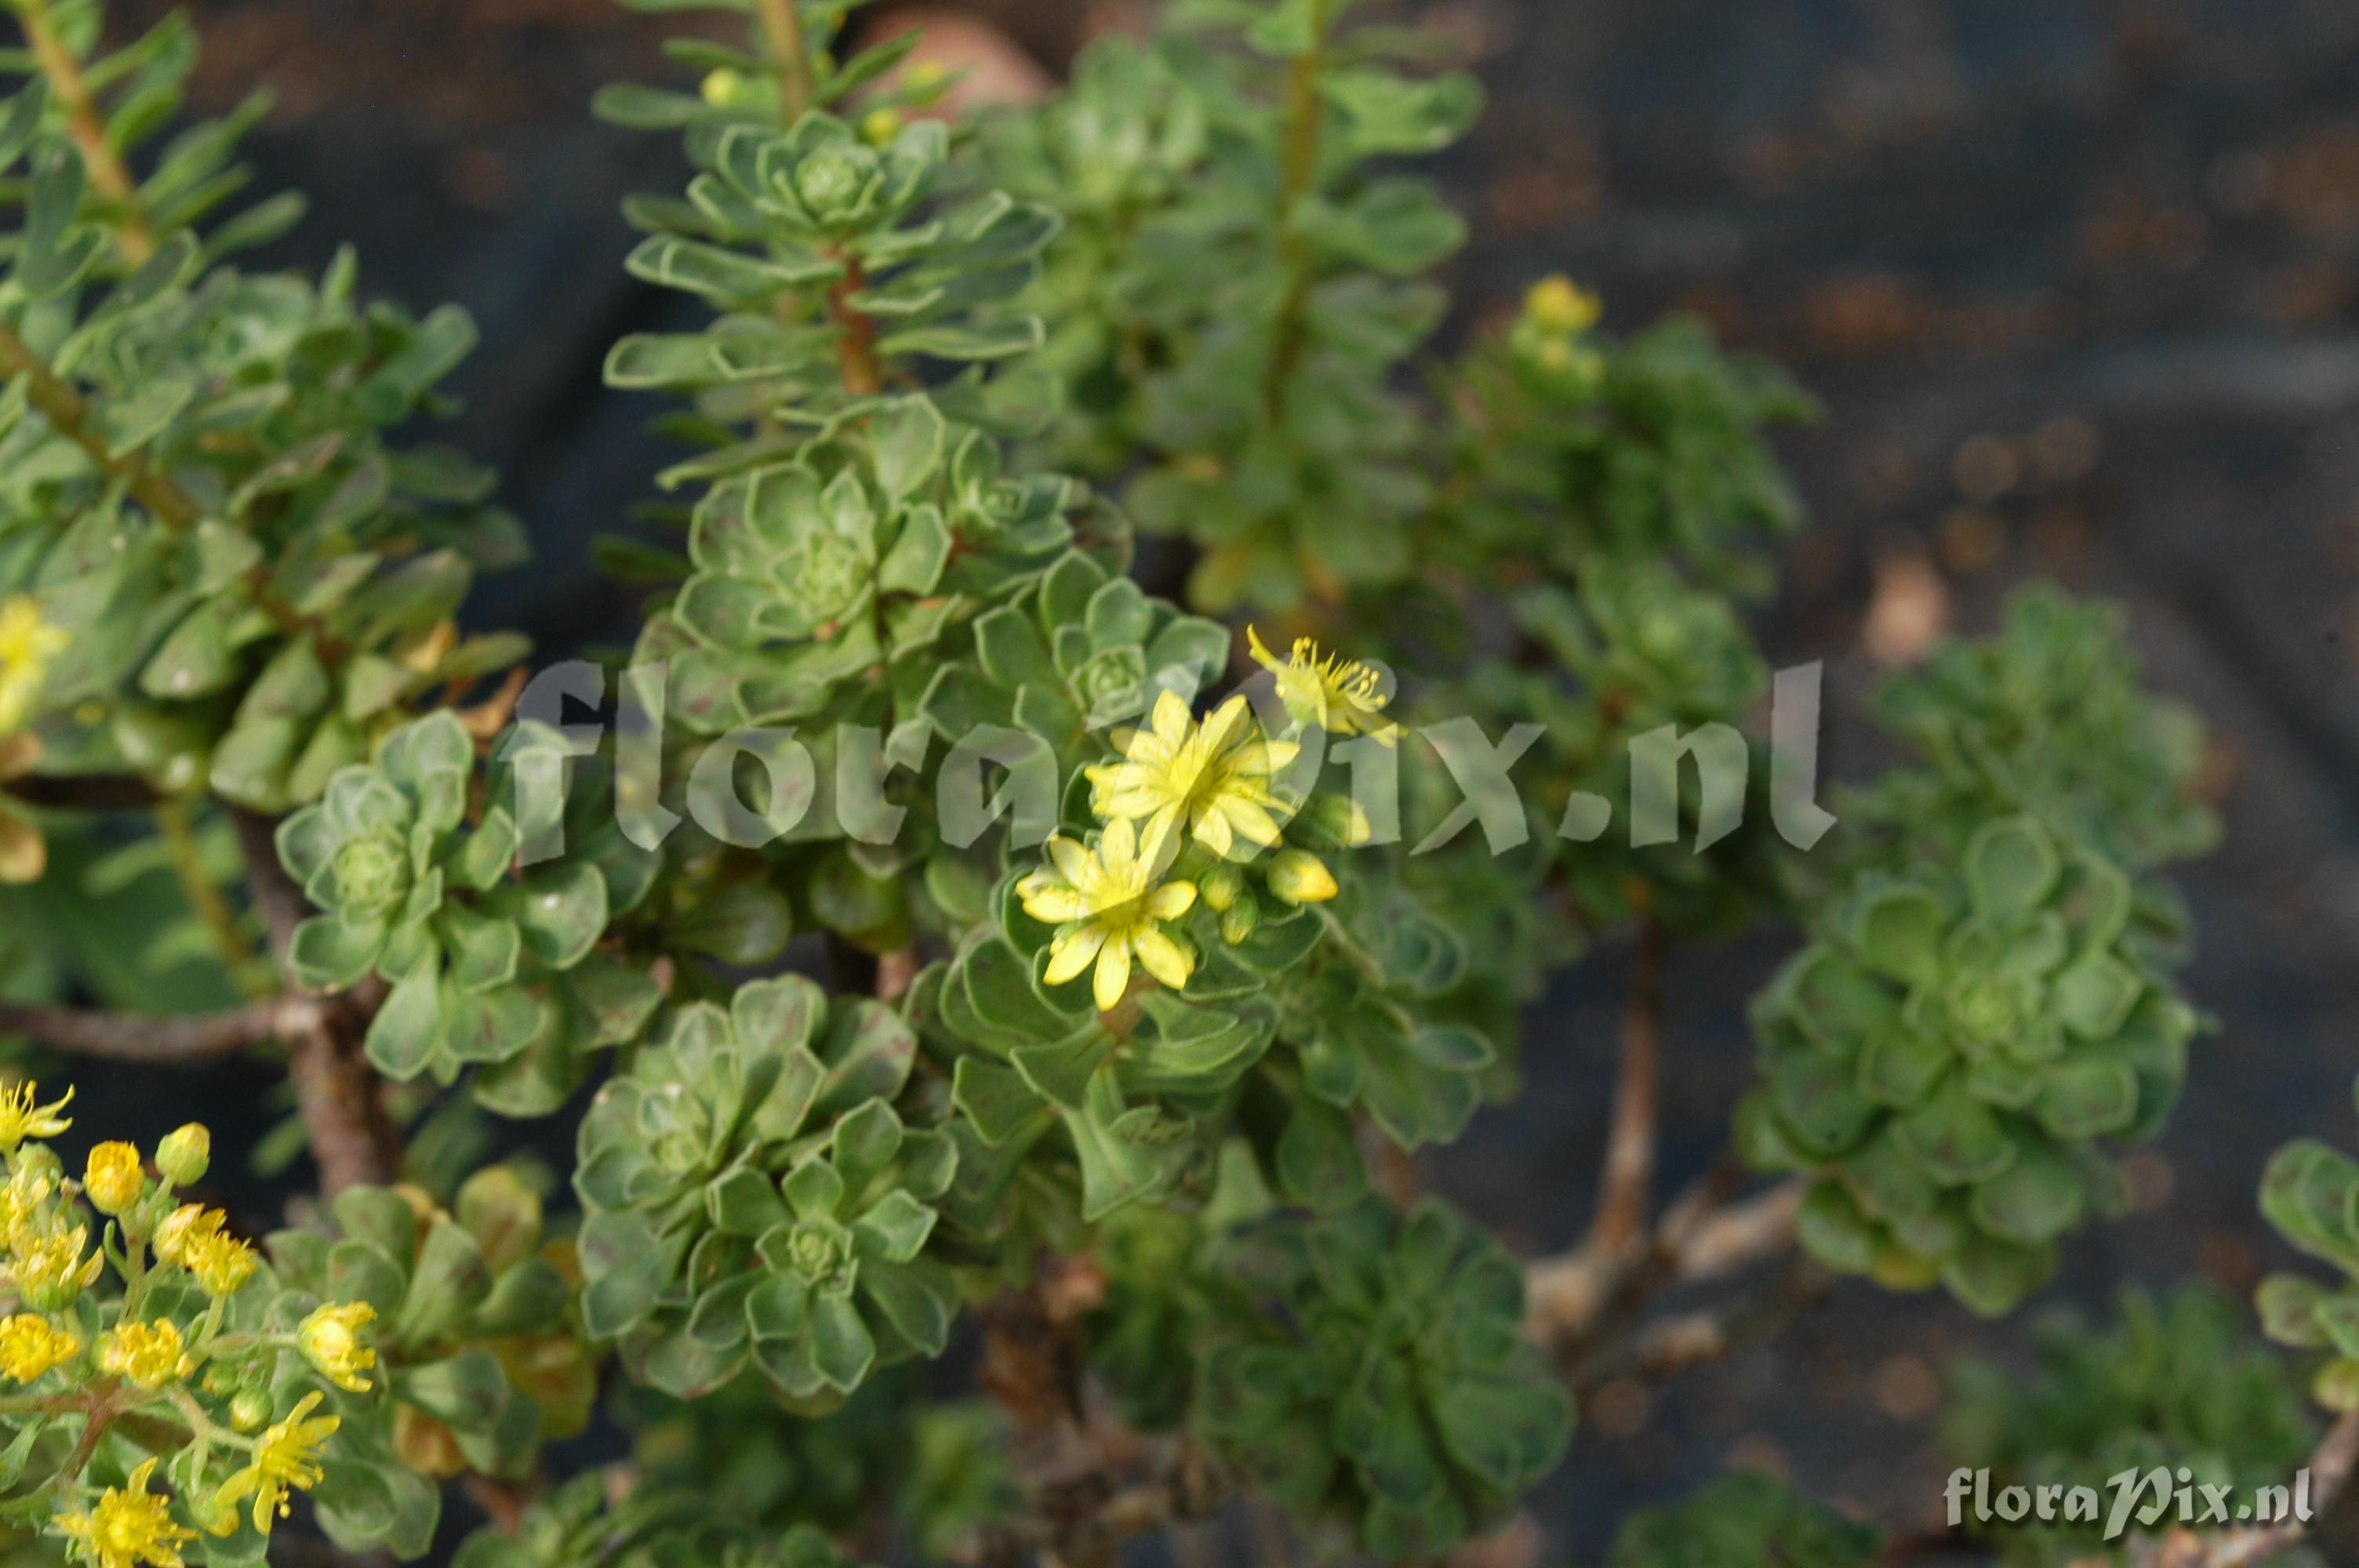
(134, 1265)
(68, 413)
(792, 55)
(336, 1091)
(219, 920)
(1297, 179)
(133, 230)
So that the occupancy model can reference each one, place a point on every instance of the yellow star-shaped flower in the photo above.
(149, 1353)
(1340, 696)
(1108, 905)
(130, 1526)
(30, 1346)
(28, 644)
(285, 1457)
(1560, 305)
(1213, 777)
(330, 1340)
(21, 1118)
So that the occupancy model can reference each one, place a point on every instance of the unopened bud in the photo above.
(1237, 921)
(112, 1180)
(185, 1154)
(1220, 887)
(1297, 876)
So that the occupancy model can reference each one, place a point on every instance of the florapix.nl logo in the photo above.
(753, 785)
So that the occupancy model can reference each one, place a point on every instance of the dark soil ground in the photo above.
(2078, 283)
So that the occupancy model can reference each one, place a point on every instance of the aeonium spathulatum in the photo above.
(1216, 790)
(1399, 1400)
(165, 1321)
(1948, 1055)
(413, 891)
(753, 1197)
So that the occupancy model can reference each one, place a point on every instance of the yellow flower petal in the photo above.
(1172, 720)
(1118, 848)
(1260, 651)
(1171, 901)
(1162, 959)
(1071, 861)
(1069, 954)
(1113, 977)
(1212, 831)
(1053, 905)
(1250, 819)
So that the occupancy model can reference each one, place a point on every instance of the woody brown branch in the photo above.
(87, 125)
(337, 1093)
(1626, 1184)
(140, 1038)
(1698, 1239)
(1669, 1346)
(2331, 1466)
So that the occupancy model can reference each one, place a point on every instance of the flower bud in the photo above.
(113, 1179)
(1557, 304)
(249, 1409)
(879, 127)
(1297, 876)
(724, 87)
(1219, 887)
(1237, 921)
(185, 1154)
(38, 1166)
(1339, 818)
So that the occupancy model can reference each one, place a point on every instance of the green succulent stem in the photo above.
(203, 898)
(68, 413)
(66, 410)
(855, 347)
(134, 231)
(1297, 178)
(787, 47)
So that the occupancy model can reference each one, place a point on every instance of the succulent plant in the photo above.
(753, 1197)
(2169, 1381)
(817, 205)
(577, 1526)
(1088, 651)
(474, 1344)
(2310, 1195)
(1126, 1091)
(413, 893)
(1946, 1057)
(1743, 1520)
(2048, 716)
(1404, 1402)
(1577, 449)
(863, 553)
